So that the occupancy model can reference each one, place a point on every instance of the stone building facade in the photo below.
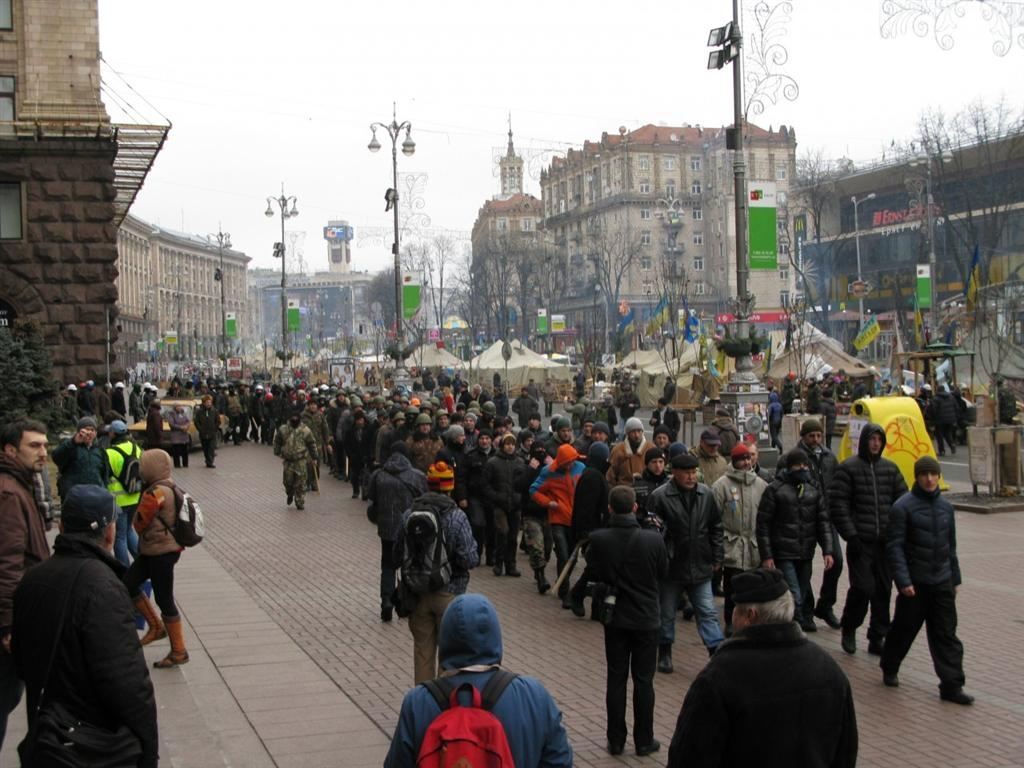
(60, 195)
(641, 210)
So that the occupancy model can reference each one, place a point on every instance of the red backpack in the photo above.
(466, 736)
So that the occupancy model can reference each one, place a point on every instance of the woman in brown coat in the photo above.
(158, 554)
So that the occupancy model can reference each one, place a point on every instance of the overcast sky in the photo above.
(261, 93)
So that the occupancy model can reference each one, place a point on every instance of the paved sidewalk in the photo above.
(291, 665)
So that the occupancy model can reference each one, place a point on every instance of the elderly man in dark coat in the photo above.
(768, 697)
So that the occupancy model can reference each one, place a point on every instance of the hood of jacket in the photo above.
(470, 633)
(155, 465)
(741, 476)
(14, 468)
(396, 464)
(773, 397)
(566, 455)
(865, 435)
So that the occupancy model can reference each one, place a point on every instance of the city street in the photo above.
(291, 665)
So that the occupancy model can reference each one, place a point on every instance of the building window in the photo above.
(526, 225)
(6, 98)
(643, 163)
(670, 189)
(784, 274)
(695, 188)
(780, 171)
(698, 288)
(668, 163)
(698, 263)
(645, 187)
(698, 238)
(783, 249)
(10, 211)
(502, 225)
(645, 237)
(695, 163)
(6, 20)
(698, 214)
(645, 263)
(645, 214)
(783, 298)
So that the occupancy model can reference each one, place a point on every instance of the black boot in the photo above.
(665, 658)
(542, 580)
(511, 570)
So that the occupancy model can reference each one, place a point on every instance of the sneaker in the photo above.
(891, 680)
(849, 642)
(957, 697)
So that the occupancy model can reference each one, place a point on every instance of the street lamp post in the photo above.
(282, 203)
(929, 202)
(856, 240)
(394, 130)
(223, 241)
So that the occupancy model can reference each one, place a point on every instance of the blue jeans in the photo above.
(126, 542)
(703, 601)
(798, 576)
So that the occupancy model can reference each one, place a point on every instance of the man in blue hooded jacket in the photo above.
(470, 651)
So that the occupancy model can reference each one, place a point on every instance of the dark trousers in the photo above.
(159, 569)
(506, 537)
(179, 452)
(829, 579)
(630, 652)
(209, 449)
(934, 606)
(11, 689)
(870, 583)
(254, 429)
(773, 434)
(561, 536)
(387, 572)
(945, 434)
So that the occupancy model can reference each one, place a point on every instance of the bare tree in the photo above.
(612, 255)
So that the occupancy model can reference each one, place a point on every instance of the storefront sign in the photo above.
(7, 315)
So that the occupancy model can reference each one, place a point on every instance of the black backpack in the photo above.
(426, 566)
(130, 476)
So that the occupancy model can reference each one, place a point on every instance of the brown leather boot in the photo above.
(154, 627)
(178, 654)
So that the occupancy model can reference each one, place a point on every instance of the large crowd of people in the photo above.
(663, 527)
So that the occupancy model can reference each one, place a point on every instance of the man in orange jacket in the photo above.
(554, 489)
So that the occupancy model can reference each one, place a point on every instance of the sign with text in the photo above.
(558, 323)
(7, 314)
(411, 297)
(924, 286)
(294, 315)
(542, 322)
(762, 226)
(170, 337)
(230, 325)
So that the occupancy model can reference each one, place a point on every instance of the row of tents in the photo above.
(811, 354)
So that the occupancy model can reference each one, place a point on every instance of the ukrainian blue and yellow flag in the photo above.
(973, 279)
(658, 318)
(627, 323)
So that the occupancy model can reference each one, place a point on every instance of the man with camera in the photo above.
(625, 564)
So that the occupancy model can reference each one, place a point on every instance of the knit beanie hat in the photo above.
(927, 464)
(633, 424)
(652, 454)
(441, 477)
(811, 425)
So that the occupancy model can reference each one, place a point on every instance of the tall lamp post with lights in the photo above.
(394, 130)
(924, 194)
(282, 203)
(223, 241)
(856, 239)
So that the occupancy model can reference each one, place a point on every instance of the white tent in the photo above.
(812, 353)
(655, 373)
(523, 365)
(430, 356)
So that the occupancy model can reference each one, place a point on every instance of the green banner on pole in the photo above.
(762, 226)
(924, 286)
(294, 318)
(230, 325)
(411, 297)
(542, 322)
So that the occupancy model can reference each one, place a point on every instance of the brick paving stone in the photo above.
(314, 575)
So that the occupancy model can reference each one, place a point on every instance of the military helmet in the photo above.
(490, 408)
(424, 419)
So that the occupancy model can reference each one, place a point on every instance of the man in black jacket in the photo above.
(99, 673)
(502, 473)
(921, 548)
(822, 463)
(694, 536)
(769, 696)
(864, 488)
(471, 496)
(633, 561)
